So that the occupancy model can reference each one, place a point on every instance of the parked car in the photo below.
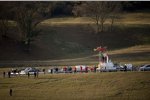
(145, 68)
(122, 67)
(14, 72)
(31, 70)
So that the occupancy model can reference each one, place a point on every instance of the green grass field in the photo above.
(79, 86)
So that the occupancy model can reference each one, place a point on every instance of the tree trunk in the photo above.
(98, 29)
(4, 27)
(28, 45)
(97, 24)
(112, 22)
(102, 27)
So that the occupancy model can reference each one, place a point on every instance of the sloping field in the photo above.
(74, 39)
(80, 86)
(137, 55)
(125, 18)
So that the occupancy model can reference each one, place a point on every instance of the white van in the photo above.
(106, 67)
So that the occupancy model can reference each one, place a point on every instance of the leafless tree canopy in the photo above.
(99, 12)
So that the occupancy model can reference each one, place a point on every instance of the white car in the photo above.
(22, 72)
(28, 69)
(145, 68)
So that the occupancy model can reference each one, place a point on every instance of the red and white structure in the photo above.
(104, 63)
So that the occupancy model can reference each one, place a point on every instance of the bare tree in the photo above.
(28, 16)
(78, 10)
(4, 26)
(114, 13)
(4, 23)
(100, 11)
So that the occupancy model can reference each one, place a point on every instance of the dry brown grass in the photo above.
(125, 18)
(81, 86)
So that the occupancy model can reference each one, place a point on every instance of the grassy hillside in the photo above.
(137, 55)
(90, 86)
(69, 38)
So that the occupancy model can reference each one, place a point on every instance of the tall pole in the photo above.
(99, 56)
(100, 50)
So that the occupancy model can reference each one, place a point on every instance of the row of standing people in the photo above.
(15, 72)
(8, 73)
(56, 70)
(73, 69)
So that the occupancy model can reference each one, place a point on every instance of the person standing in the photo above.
(75, 69)
(34, 74)
(44, 71)
(95, 69)
(125, 68)
(10, 92)
(86, 69)
(51, 70)
(70, 69)
(9, 74)
(81, 68)
(56, 69)
(4, 74)
(65, 69)
(37, 74)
